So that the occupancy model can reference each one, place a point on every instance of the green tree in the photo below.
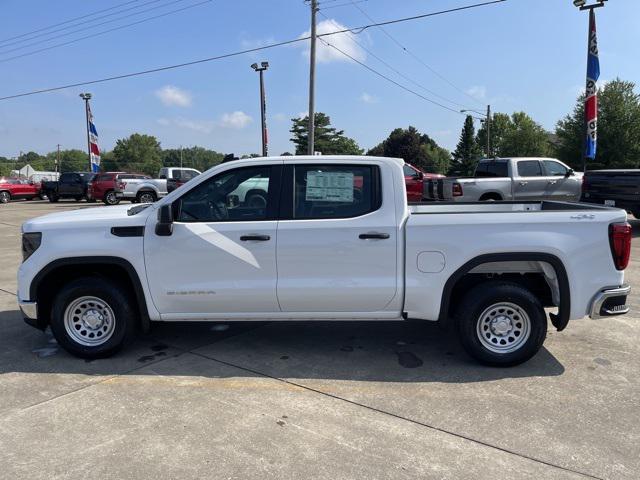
(467, 152)
(618, 129)
(139, 152)
(501, 126)
(327, 139)
(525, 138)
(415, 148)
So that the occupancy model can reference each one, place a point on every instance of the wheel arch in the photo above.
(558, 320)
(73, 267)
(492, 194)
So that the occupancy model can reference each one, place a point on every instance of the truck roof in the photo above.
(320, 158)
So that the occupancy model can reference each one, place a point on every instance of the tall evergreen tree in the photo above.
(327, 139)
(467, 152)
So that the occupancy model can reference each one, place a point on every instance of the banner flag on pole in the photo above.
(93, 143)
(591, 105)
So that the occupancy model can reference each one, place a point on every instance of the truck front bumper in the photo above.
(609, 302)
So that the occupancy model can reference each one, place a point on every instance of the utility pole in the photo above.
(57, 160)
(488, 131)
(86, 97)
(263, 106)
(312, 79)
(180, 156)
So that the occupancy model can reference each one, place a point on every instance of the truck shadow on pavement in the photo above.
(357, 351)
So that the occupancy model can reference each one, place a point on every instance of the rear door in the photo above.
(337, 239)
(529, 181)
(413, 179)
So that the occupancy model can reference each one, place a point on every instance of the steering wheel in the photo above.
(218, 210)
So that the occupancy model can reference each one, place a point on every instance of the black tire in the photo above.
(636, 213)
(141, 197)
(490, 197)
(53, 198)
(5, 197)
(79, 198)
(510, 306)
(256, 199)
(125, 318)
(110, 198)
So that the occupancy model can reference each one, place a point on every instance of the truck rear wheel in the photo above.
(146, 197)
(53, 197)
(501, 324)
(91, 317)
(110, 198)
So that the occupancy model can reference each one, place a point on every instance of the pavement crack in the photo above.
(400, 417)
(8, 292)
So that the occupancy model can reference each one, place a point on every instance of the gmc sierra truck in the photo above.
(335, 239)
(510, 179)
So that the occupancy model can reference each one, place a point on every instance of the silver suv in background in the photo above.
(524, 178)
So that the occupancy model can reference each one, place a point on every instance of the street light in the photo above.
(263, 105)
(86, 97)
(582, 4)
(487, 120)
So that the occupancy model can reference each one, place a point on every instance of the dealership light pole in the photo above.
(86, 97)
(263, 105)
(487, 120)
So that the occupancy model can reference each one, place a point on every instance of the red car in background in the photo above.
(102, 187)
(414, 179)
(15, 188)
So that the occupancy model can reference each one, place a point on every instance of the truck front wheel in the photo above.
(501, 324)
(92, 317)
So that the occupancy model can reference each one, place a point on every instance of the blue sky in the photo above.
(518, 55)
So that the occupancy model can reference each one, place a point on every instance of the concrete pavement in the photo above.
(313, 400)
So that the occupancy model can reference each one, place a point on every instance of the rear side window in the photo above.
(335, 191)
(408, 171)
(529, 168)
(67, 177)
(492, 169)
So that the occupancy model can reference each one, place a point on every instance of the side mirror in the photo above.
(232, 201)
(419, 176)
(570, 173)
(164, 227)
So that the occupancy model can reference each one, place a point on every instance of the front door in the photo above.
(337, 240)
(561, 183)
(221, 256)
(530, 183)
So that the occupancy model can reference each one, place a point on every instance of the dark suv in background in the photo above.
(71, 185)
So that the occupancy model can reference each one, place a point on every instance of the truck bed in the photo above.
(423, 208)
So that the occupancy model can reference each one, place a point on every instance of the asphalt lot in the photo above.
(314, 400)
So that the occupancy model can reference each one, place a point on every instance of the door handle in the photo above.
(523, 183)
(369, 236)
(259, 238)
(552, 182)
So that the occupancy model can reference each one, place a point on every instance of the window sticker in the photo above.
(329, 186)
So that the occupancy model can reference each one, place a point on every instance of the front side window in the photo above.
(529, 168)
(334, 191)
(555, 168)
(235, 195)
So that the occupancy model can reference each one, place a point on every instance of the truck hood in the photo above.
(111, 216)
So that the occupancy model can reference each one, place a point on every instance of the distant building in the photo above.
(34, 175)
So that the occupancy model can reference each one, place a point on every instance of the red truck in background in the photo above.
(414, 180)
(15, 188)
(102, 187)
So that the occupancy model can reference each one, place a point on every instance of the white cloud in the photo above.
(174, 96)
(477, 91)
(235, 119)
(367, 98)
(344, 41)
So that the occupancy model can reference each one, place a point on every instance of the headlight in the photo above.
(30, 243)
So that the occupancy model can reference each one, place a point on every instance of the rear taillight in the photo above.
(456, 190)
(121, 185)
(620, 240)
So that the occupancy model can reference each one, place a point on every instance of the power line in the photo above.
(413, 55)
(93, 35)
(78, 24)
(409, 79)
(372, 70)
(218, 57)
(68, 21)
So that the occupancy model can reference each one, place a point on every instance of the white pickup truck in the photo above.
(336, 240)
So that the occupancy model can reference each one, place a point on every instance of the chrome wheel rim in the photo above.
(89, 321)
(146, 198)
(4, 197)
(503, 327)
(111, 198)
